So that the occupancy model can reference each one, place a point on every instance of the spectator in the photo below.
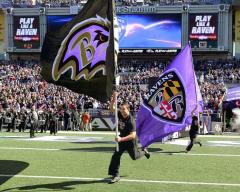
(86, 121)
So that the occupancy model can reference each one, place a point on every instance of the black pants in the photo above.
(32, 134)
(43, 128)
(133, 150)
(65, 124)
(1, 122)
(193, 141)
(10, 125)
(53, 129)
(21, 127)
(33, 128)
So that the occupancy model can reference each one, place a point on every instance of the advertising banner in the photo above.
(203, 30)
(26, 31)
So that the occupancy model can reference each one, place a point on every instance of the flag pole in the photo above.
(113, 25)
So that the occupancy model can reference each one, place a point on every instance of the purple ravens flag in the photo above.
(81, 55)
(233, 94)
(168, 105)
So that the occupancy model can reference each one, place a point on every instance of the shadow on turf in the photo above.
(94, 142)
(66, 185)
(171, 152)
(9, 168)
(104, 149)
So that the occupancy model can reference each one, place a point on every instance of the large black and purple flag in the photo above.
(170, 101)
(80, 56)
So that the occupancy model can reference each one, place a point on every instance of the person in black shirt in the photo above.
(1, 119)
(29, 124)
(22, 117)
(9, 120)
(127, 140)
(52, 123)
(66, 117)
(193, 132)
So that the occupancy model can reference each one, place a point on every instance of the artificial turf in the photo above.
(90, 160)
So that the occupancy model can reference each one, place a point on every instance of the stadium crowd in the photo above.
(22, 88)
(80, 3)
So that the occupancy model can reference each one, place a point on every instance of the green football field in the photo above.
(79, 162)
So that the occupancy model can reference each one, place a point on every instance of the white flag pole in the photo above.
(115, 48)
(117, 82)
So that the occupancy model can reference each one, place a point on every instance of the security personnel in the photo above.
(193, 132)
(9, 120)
(29, 124)
(127, 140)
(52, 123)
(1, 120)
(22, 123)
(34, 118)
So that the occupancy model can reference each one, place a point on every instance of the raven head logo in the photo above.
(83, 51)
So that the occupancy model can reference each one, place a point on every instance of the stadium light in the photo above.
(41, 10)
(9, 10)
(222, 8)
(185, 8)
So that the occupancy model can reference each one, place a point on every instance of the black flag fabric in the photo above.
(81, 55)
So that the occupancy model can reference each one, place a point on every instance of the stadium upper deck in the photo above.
(65, 3)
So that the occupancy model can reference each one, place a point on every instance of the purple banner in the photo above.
(170, 101)
(233, 94)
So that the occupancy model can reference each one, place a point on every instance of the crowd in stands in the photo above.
(80, 3)
(171, 2)
(213, 76)
(22, 88)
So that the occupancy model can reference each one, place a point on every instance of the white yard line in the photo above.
(89, 133)
(220, 136)
(206, 154)
(124, 180)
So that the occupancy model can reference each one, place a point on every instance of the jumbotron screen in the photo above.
(55, 22)
(141, 31)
